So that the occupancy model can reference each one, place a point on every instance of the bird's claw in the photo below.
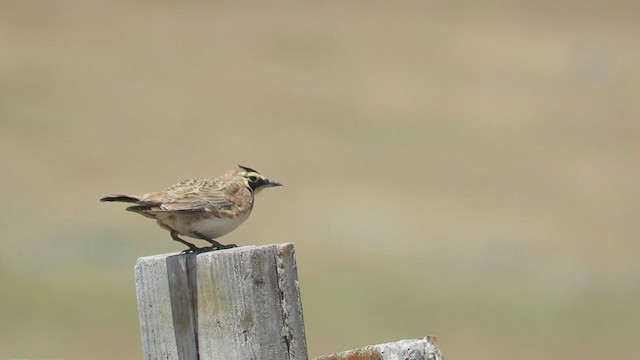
(189, 251)
(228, 246)
(197, 250)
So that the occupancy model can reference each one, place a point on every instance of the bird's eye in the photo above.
(253, 178)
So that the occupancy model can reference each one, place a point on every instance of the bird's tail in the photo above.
(121, 198)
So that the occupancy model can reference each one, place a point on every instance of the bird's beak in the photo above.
(271, 183)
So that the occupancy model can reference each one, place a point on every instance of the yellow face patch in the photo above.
(253, 180)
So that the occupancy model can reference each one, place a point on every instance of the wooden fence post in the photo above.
(241, 303)
(237, 304)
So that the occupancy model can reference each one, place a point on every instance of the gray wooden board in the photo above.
(154, 307)
(241, 303)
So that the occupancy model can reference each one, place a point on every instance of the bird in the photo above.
(204, 209)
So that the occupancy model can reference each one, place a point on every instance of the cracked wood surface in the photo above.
(241, 303)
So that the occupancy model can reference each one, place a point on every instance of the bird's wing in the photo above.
(198, 203)
(206, 195)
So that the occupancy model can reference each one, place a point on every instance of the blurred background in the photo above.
(459, 169)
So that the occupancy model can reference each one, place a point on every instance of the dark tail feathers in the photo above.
(121, 198)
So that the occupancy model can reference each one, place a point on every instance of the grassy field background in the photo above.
(460, 169)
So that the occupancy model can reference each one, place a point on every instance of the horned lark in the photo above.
(201, 208)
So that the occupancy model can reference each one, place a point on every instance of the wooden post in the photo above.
(418, 349)
(241, 303)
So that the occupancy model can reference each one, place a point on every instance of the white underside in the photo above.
(214, 227)
(209, 227)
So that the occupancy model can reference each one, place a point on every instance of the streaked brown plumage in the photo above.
(201, 208)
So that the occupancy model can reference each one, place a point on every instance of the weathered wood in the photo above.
(183, 292)
(417, 349)
(154, 306)
(241, 303)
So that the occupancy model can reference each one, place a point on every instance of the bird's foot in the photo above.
(197, 250)
(193, 250)
(229, 246)
(215, 245)
(215, 248)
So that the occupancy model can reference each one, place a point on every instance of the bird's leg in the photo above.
(192, 248)
(215, 244)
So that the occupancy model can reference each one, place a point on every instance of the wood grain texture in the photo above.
(241, 303)
(183, 293)
(414, 349)
(154, 307)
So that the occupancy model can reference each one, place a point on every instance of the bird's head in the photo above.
(255, 180)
